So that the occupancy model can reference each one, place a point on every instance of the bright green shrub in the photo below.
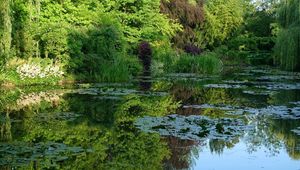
(164, 58)
(99, 53)
(222, 19)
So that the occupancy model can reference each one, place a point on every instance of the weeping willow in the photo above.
(5, 29)
(25, 23)
(287, 49)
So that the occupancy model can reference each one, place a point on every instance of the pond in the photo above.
(242, 119)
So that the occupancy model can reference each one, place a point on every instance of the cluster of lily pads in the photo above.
(282, 112)
(193, 127)
(37, 71)
(115, 91)
(49, 154)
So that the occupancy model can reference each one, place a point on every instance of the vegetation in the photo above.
(190, 14)
(98, 40)
(203, 64)
(148, 84)
(288, 41)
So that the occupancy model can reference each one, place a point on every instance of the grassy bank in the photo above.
(37, 71)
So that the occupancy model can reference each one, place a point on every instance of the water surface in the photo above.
(244, 119)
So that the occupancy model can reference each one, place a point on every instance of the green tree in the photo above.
(24, 17)
(190, 14)
(222, 18)
(142, 20)
(5, 29)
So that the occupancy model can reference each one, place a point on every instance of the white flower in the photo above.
(35, 71)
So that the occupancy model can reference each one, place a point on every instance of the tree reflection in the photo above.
(218, 145)
(5, 128)
(181, 153)
(282, 129)
(272, 133)
(145, 81)
(103, 127)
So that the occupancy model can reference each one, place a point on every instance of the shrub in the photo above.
(250, 50)
(32, 71)
(192, 49)
(98, 53)
(164, 58)
(145, 54)
(36, 71)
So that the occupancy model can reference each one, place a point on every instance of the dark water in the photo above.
(244, 119)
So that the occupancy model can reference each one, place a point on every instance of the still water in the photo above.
(242, 119)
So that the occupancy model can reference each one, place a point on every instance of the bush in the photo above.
(31, 71)
(164, 58)
(192, 49)
(248, 50)
(207, 63)
(99, 53)
(145, 55)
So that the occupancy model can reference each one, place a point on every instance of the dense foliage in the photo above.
(223, 17)
(97, 40)
(190, 14)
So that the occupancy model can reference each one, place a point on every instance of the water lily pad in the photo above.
(108, 98)
(193, 127)
(297, 131)
(280, 86)
(210, 106)
(19, 154)
(225, 86)
(283, 112)
(295, 103)
(263, 93)
(88, 91)
(278, 78)
(69, 116)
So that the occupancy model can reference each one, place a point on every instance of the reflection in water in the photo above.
(181, 151)
(97, 130)
(145, 81)
(289, 96)
(282, 129)
(218, 145)
(102, 130)
(5, 128)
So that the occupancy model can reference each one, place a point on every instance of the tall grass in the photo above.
(207, 63)
(120, 69)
